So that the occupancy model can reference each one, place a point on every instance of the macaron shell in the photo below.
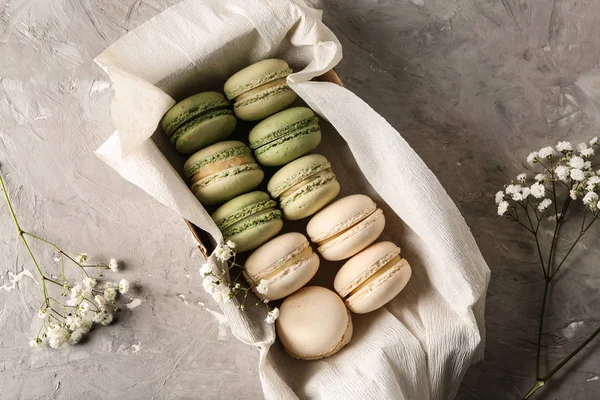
(255, 236)
(381, 292)
(224, 189)
(289, 149)
(351, 242)
(213, 150)
(292, 279)
(235, 206)
(274, 252)
(254, 75)
(313, 323)
(206, 133)
(363, 265)
(339, 216)
(309, 203)
(295, 172)
(270, 103)
(190, 108)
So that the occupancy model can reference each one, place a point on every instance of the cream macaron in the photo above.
(286, 263)
(313, 323)
(372, 278)
(345, 227)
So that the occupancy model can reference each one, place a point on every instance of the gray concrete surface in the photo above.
(473, 85)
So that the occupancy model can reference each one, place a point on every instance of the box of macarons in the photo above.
(348, 249)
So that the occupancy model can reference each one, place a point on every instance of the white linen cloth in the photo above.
(419, 346)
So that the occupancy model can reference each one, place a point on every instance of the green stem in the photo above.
(541, 326)
(538, 384)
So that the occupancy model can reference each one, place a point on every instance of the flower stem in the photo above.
(541, 326)
(570, 356)
(538, 384)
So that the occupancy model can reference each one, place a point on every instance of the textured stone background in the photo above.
(473, 85)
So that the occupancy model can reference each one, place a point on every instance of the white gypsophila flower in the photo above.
(113, 265)
(538, 190)
(582, 146)
(206, 269)
(573, 194)
(209, 285)
(576, 162)
(546, 152)
(587, 152)
(592, 182)
(73, 301)
(590, 199)
(89, 282)
(42, 313)
(99, 315)
(123, 286)
(231, 244)
(521, 178)
(88, 292)
(101, 301)
(512, 189)
(73, 322)
(502, 207)
(564, 146)
(58, 336)
(108, 318)
(110, 294)
(86, 325)
(76, 291)
(594, 141)
(517, 196)
(263, 286)
(541, 177)
(76, 337)
(222, 293)
(544, 204)
(499, 197)
(525, 192)
(81, 258)
(587, 165)
(83, 307)
(272, 316)
(562, 172)
(223, 252)
(532, 158)
(577, 174)
(37, 343)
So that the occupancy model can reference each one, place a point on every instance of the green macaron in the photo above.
(285, 136)
(199, 121)
(260, 89)
(249, 220)
(304, 186)
(222, 171)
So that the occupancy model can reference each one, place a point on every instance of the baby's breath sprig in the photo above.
(90, 301)
(561, 176)
(223, 290)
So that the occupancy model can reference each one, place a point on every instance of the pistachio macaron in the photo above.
(260, 89)
(286, 263)
(199, 121)
(285, 136)
(345, 227)
(313, 323)
(304, 186)
(249, 220)
(372, 278)
(222, 171)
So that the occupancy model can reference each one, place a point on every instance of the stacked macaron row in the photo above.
(314, 322)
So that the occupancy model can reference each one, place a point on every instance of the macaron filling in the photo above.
(383, 264)
(350, 231)
(283, 73)
(293, 131)
(299, 254)
(245, 212)
(215, 167)
(270, 89)
(252, 221)
(186, 127)
(377, 279)
(308, 185)
(193, 112)
(224, 174)
(236, 152)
